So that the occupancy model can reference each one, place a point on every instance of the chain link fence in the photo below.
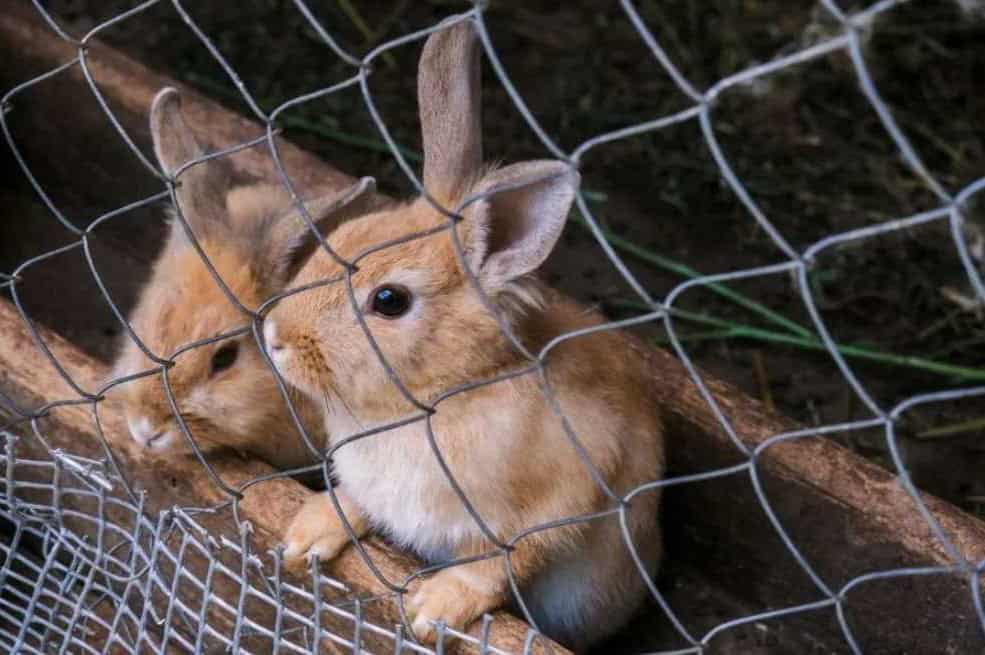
(86, 568)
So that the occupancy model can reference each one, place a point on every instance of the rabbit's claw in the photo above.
(315, 530)
(444, 599)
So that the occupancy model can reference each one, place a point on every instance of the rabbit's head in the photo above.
(412, 270)
(251, 236)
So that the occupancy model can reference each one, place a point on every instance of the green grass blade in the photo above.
(685, 271)
(731, 330)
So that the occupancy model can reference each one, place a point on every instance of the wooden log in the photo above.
(847, 516)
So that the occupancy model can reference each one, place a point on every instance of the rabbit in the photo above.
(503, 442)
(252, 235)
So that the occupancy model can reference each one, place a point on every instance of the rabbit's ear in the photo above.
(448, 98)
(291, 241)
(202, 187)
(512, 229)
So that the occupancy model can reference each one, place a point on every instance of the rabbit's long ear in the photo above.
(289, 241)
(202, 187)
(448, 97)
(512, 229)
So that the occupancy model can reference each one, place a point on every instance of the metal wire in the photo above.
(72, 578)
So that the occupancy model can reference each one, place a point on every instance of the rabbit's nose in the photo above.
(143, 432)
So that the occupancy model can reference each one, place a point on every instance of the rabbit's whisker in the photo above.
(327, 406)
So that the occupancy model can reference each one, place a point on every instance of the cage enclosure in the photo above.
(779, 540)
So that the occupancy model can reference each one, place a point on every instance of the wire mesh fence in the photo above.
(87, 569)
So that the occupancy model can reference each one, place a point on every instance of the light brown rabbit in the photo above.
(226, 392)
(503, 442)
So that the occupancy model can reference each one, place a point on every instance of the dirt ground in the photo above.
(806, 144)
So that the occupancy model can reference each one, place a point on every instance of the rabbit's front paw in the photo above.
(315, 530)
(445, 598)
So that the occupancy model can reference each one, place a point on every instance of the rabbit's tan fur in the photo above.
(240, 407)
(247, 232)
(503, 442)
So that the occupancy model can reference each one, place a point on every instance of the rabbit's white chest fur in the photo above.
(395, 480)
(394, 477)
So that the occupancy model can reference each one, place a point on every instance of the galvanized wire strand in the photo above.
(214, 51)
(15, 151)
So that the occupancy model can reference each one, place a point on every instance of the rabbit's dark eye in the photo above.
(390, 300)
(225, 357)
